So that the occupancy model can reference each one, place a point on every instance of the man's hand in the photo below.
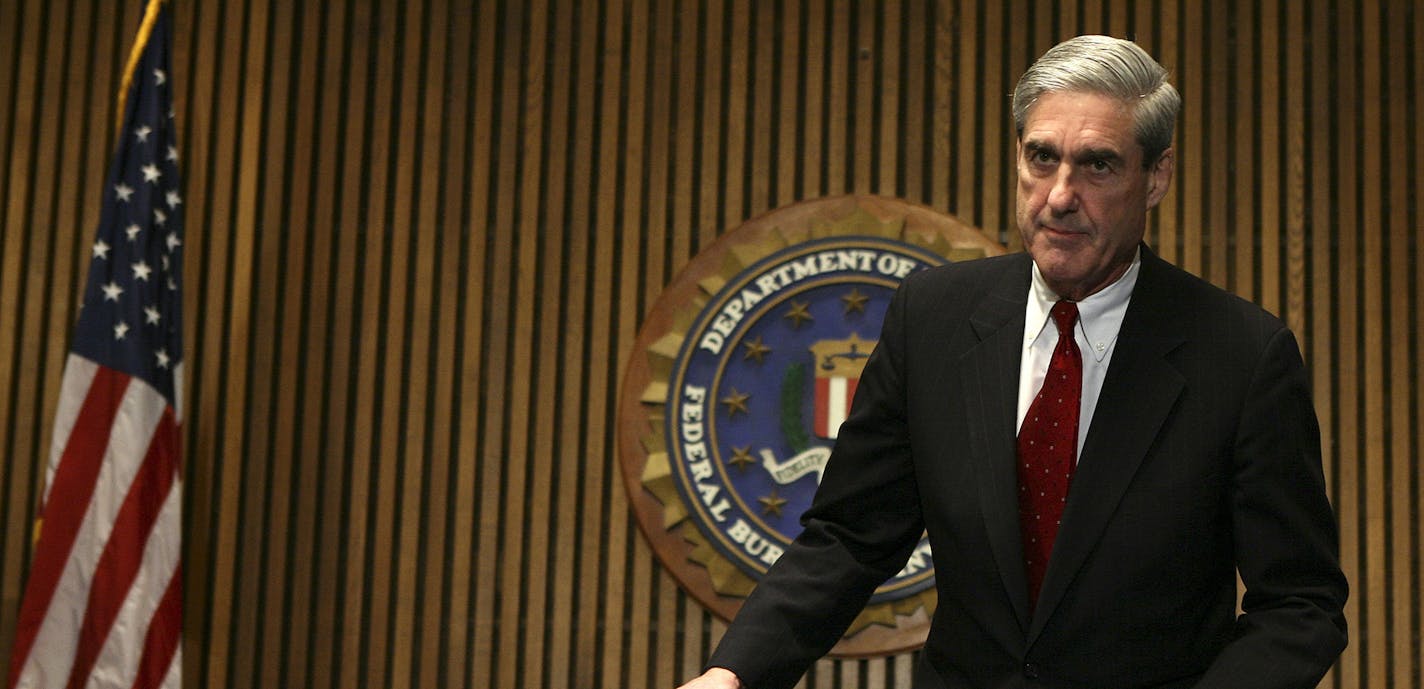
(715, 678)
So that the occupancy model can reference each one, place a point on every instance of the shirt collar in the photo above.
(1099, 316)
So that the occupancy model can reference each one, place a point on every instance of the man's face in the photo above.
(1083, 192)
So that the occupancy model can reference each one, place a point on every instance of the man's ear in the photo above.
(1160, 177)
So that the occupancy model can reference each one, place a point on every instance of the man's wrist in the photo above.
(722, 673)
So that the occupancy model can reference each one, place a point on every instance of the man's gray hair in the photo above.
(1111, 67)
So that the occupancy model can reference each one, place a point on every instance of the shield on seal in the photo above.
(839, 364)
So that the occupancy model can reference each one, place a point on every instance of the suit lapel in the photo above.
(1138, 393)
(991, 378)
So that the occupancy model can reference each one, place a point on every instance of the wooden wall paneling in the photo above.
(967, 33)
(1069, 22)
(1403, 588)
(363, 170)
(787, 90)
(992, 136)
(1318, 56)
(221, 366)
(202, 492)
(601, 564)
(565, 327)
(423, 538)
(21, 479)
(1245, 196)
(1270, 181)
(914, 62)
(736, 185)
(1372, 268)
(254, 296)
(1352, 484)
(304, 315)
(644, 108)
(1413, 63)
(26, 118)
(627, 571)
(837, 46)
(811, 109)
(484, 194)
(503, 327)
(272, 344)
(408, 380)
(892, 127)
(1163, 229)
(711, 127)
(346, 82)
(392, 558)
(1416, 104)
(1295, 151)
(1119, 19)
(1219, 131)
(55, 263)
(863, 92)
(452, 519)
(1019, 50)
(1090, 17)
(943, 92)
(628, 216)
(528, 442)
(1192, 164)
(764, 100)
(685, 83)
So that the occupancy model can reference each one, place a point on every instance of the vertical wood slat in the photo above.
(424, 238)
(1404, 589)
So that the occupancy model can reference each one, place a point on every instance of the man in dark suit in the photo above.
(1095, 442)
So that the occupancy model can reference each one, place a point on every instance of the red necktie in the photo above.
(1048, 440)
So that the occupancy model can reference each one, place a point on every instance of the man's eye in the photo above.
(1100, 166)
(1040, 157)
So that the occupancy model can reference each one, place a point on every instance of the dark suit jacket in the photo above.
(1203, 457)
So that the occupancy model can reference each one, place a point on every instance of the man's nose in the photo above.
(1063, 196)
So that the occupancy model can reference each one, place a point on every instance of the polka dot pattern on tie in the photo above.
(1047, 443)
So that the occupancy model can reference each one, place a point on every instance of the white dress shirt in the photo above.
(1099, 320)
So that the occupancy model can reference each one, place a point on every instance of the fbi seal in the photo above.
(740, 380)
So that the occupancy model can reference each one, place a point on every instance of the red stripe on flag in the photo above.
(164, 631)
(66, 505)
(823, 408)
(851, 385)
(123, 553)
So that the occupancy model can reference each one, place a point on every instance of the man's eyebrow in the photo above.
(1036, 146)
(1092, 155)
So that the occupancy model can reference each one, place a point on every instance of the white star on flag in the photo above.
(101, 250)
(112, 291)
(143, 132)
(120, 329)
(132, 231)
(151, 173)
(162, 357)
(159, 77)
(123, 191)
(151, 315)
(173, 199)
(141, 270)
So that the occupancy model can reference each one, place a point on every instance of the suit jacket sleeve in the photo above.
(1285, 537)
(863, 524)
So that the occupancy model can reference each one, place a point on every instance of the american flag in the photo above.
(103, 602)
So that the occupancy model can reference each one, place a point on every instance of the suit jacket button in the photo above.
(1030, 671)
